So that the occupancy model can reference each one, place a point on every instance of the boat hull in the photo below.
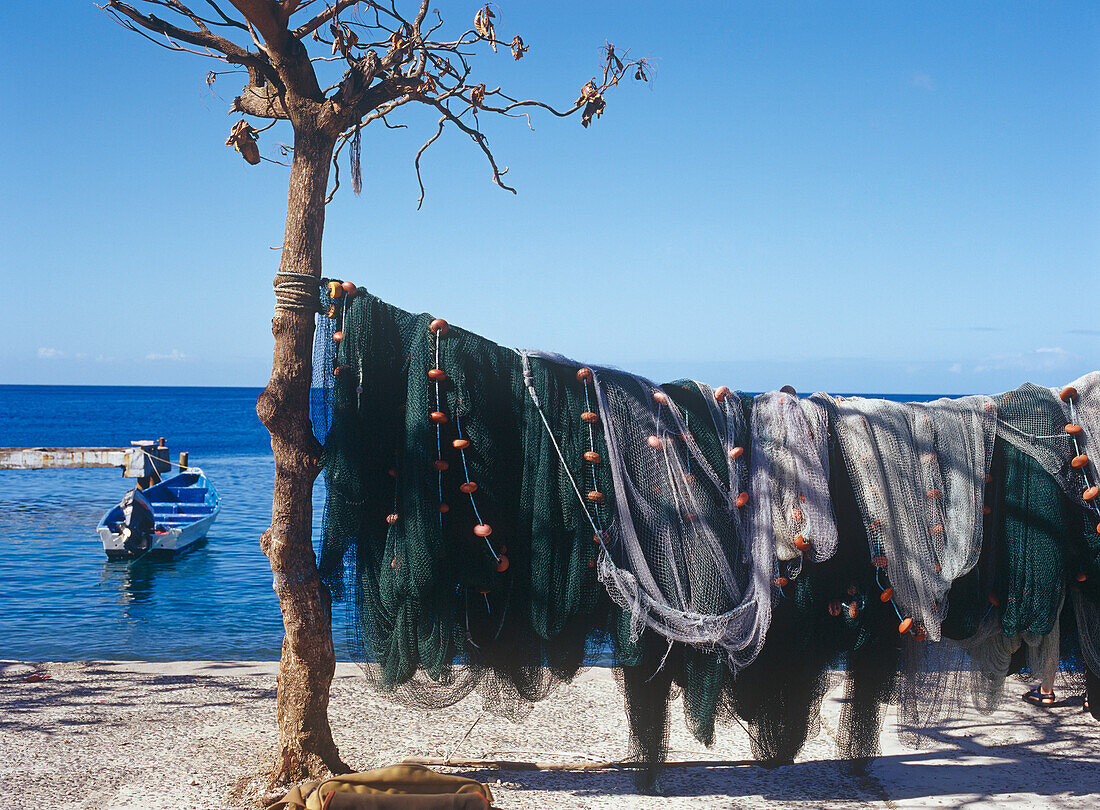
(185, 506)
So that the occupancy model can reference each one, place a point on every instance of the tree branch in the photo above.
(261, 102)
(326, 15)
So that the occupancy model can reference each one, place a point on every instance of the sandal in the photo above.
(1040, 698)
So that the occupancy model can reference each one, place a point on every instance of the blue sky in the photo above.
(844, 196)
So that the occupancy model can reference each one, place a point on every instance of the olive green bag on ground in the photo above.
(398, 787)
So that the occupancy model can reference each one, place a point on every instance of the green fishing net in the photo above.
(497, 520)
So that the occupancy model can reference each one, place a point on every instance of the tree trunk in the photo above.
(308, 659)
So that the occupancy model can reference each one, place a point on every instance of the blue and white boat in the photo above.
(162, 520)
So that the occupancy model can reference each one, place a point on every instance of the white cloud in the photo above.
(1046, 358)
(956, 368)
(45, 353)
(923, 81)
(175, 356)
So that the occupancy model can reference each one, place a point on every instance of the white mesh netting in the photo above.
(918, 472)
(790, 478)
(679, 555)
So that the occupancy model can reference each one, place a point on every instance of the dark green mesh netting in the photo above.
(497, 589)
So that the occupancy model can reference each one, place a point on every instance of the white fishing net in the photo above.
(918, 471)
(683, 560)
(790, 479)
(1084, 410)
(678, 555)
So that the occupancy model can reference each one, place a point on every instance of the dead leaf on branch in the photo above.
(343, 38)
(243, 138)
(426, 86)
(211, 77)
(518, 48)
(477, 96)
(593, 103)
(639, 74)
(483, 24)
(609, 50)
(400, 38)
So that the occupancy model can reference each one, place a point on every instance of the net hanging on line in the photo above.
(790, 479)
(495, 520)
(919, 473)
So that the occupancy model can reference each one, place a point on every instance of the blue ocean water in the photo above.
(62, 600)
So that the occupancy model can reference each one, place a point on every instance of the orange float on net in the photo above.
(1081, 577)
(437, 374)
(852, 590)
(392, 472)
(905, 625)
(801, 543)
(796, 515)
(391, 519)
(591, 563)
(1069, 393)
(502, 564)
(444, 509)
(1073, 430)
(853, 610)
(440, 465)
(655, 442)
(994, 600)
(590, 418)
(1090, 493)
(1079, 461)
(737, 452)
(937, 529)
(834, 608)
(742, 499)
(483, 529)
(722, 393)
(331, 311)
(584, 373)
(987, 510)
(335, 289)
(660, 397)
(597, 538)
(879, 561)
(469, 488)
(935, 494)
(988, 478)
(921, 634)
(438, 417)
(886, 595)
(788, 389)
(336, 372)
(440, 327)
(781, 582)
(394, 564)
(349, 289)
(689, 478)
(460, 444)
(596, 497)
(592, 457)
(337, 336)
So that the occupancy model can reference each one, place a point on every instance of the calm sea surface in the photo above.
(62, 600)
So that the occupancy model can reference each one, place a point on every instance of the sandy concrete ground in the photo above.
(197, 734)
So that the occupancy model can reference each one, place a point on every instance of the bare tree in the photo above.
(387, 57)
